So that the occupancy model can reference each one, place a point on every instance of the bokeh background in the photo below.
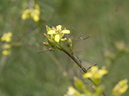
(22, 73)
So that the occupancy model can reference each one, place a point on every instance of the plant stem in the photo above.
(80, 65)
(118, 5)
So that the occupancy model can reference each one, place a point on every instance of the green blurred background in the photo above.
(22, 73)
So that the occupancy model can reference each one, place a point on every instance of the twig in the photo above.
(117, 5)
(85, 37)
(91, 66)
(79, 64)
(81, 71)
(50, 49)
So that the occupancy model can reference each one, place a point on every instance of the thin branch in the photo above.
(117, 5)
(79, 64)
(42, 51)
(91, 66)
(50, 49)
(80, 73)
(85, 37)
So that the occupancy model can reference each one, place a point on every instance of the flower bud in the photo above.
(6, 46)
(50, 49)
(70, 41)
(45, 34)
(46, 43)
(68, 44)
(50, 41)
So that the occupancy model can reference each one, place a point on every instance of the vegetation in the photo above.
(100, 64)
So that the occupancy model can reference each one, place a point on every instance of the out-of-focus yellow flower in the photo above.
(57, 33)
(121, 46)
(72, 92)
(95, 74)
(6, 48)
(5, 52)
(98, 92)
(120, 88)
(109, 54)
(6, 37)
(26, 14)
(34, 13)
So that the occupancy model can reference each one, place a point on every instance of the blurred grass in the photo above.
(25, 74)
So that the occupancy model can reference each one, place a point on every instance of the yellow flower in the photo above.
(121, 46)
(109, 54)
(95, 74)
(25, 14)
(6, 37)
(57, 33)
(5, 52)
(35, 13)
(120, 88)
(72, 92)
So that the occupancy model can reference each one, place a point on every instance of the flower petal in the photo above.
(63, 39)
(87, 75)
(65, 31)
(10, 34)
(58, 27)
(8, 39)
(48, 28)
(94, 69)
(102, 72)
(51, 32)
(57, 38)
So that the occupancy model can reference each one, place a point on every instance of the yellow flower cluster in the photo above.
(95, 74)
(34, 13)
(57, 33)
(7, 38)
(120, 88)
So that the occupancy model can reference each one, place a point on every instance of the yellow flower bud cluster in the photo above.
(34, 13)
(7, 38)
(95, 74)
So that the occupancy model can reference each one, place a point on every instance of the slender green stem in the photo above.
(80, 65)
